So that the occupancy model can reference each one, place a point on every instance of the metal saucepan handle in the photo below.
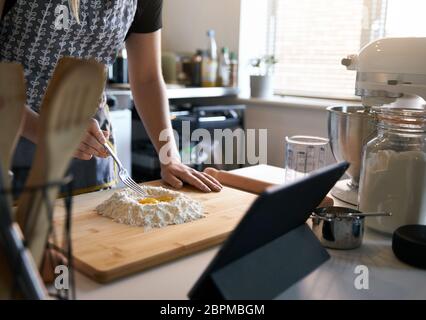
(352, 215)
(370, 214)
(316, 216)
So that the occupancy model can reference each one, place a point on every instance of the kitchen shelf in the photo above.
(180, 93)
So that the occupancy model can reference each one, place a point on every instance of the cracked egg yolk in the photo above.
(156, 200)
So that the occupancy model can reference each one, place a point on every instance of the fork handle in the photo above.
(113, 155)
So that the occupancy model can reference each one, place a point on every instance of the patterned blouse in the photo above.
(37, 33)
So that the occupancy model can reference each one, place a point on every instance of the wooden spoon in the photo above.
(71, 100)
(249, 184)
(12, 105)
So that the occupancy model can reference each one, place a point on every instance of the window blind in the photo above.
(312, 36)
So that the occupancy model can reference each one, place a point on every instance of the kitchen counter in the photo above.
(388, 277)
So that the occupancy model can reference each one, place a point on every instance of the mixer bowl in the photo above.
(349, 129)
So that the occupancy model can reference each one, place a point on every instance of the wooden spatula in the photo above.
(249, 184)
(12, 104)
(71, 100)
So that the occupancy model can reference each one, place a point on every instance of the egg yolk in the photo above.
(156, 200)
(165, 198)
(148, 201)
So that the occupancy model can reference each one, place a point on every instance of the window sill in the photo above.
(296, 102)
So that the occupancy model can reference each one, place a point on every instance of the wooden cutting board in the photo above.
(105, 250)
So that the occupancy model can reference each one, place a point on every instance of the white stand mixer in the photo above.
(388, 70)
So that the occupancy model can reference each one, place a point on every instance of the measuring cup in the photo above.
(304, 154)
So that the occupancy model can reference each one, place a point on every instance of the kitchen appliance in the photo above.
(339, 227)
(349, 129)
(390, 69)
(146, 165)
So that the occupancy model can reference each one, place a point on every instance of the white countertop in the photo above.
(388, 277)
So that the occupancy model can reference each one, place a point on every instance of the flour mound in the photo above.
(124, 207)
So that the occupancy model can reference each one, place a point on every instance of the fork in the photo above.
(123, 174)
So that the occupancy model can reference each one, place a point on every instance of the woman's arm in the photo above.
(150, 96)
(30, 127)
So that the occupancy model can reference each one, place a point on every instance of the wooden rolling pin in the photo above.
(249, 184)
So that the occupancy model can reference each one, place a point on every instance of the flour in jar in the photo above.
(394, 182)
(161, 207)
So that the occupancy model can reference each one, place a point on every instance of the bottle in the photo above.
(233, 78)
(196, 62)
(224, 71)
(393, 174)
(185, 74)
(210, 62)
(119, 71)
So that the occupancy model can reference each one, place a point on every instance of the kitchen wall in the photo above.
(239, 24)
(185, 23)
(288, 117)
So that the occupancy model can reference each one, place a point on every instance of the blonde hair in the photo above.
(75, 8)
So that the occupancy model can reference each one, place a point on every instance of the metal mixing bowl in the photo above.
(349, 129)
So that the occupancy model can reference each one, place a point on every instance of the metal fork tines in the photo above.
(129, 182)
(123, 174)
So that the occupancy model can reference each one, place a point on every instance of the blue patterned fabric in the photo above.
(37, 33)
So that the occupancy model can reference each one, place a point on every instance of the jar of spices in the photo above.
(393, 173)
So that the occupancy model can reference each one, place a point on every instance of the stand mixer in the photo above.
(349, 129)
(388, 70)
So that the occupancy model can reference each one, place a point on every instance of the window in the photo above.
(310, 37)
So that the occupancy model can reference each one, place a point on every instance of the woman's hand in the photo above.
(176, 174)
(92, 143)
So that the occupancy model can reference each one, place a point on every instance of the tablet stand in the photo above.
(267, 271)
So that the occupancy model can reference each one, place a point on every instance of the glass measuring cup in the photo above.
(304, 154)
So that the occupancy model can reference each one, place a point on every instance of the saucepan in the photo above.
(340, 227)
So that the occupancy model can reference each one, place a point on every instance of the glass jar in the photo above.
(393, 173)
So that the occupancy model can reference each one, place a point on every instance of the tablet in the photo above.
(275, 213)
